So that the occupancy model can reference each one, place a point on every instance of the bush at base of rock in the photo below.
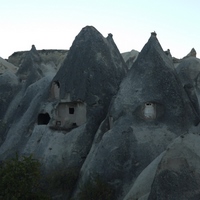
(97, 189)
(20, 179)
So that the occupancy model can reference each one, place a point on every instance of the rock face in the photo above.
(49, 57)
(148, 112)
(87, 80)
(177, 175)
(93, 118)
(142, 185)
(23, 96)
(192, 53)
(130, 57)
(152, 82)
(29, 70)
(188, 71)
(60, 118)
(6, 66)
(9, 86)
(92, 67)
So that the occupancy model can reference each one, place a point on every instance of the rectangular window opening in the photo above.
(71, 110)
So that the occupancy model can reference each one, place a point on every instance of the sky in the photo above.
(54, 24)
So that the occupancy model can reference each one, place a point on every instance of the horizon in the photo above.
(50, 25)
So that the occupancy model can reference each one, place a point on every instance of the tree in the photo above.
(20, 179)
(98, 190)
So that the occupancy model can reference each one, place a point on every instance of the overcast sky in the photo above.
(53, 24)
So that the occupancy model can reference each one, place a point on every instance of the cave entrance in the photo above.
(43, 119)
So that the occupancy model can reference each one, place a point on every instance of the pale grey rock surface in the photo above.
(91, 73)
(20, 124)
(142, 185)
(178, 173)
(5, 65)
(191, 54)
(189, 73)
(94, 67)
(140, 132)
(128, 140)
(53, 57)
(130, 57)
(9, 85)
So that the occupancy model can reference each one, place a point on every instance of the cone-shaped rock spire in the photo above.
(92, 70)
(152, 78)
(148, 112)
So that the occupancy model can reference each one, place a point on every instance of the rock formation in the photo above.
(19, 113)
(9, 86)
(59, 119)
(101, 69)
(91, 118)
(49, 57)
(6, 66)
(148, 113)
(130, 57)
(188, 71)
(177, 175)
(192, 53)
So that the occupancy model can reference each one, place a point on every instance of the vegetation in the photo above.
(20, 179)
(63, 179)
(98, 190)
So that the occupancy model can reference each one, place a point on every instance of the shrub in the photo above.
(63, 180)
(97, 189)
(20, 179)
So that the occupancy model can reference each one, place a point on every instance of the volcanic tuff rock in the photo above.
(130, 57)
(6, 66)
(142, 186)
(189, 73)
(90, 119)
(178, 173)
(80, 93)
(31, 67)
(23, 101)
(93, 68)
(49, 57)
(148, 113)
(192, 53)
(8, 86)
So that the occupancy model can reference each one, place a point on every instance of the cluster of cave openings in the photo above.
(43, 119)
(149, 110)
(55, 90)
(70, 114)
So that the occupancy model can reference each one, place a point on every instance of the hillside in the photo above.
(4, 65)
(121, 126)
